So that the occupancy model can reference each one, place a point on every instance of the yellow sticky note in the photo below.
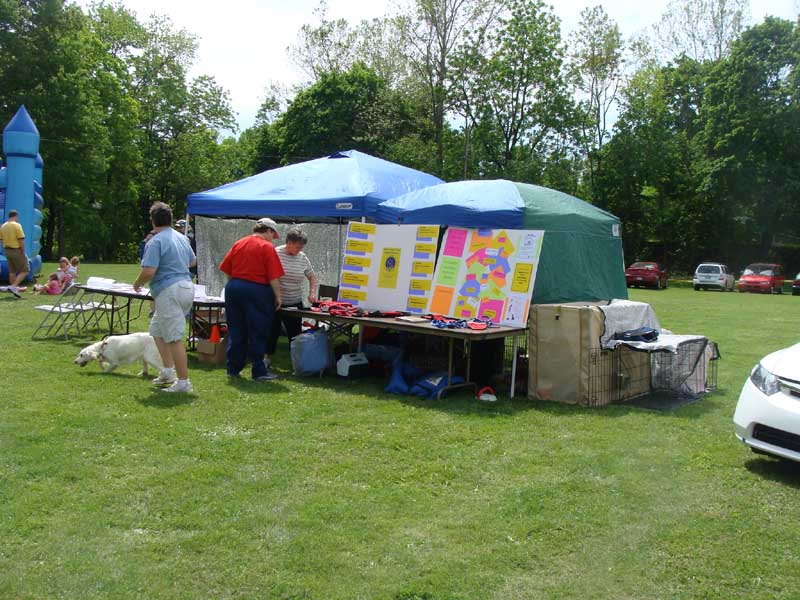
(355, 278)
(420, 285)
(417, 302)
(389, 266)
(357, 261)
(426, 248)
(359, 246)
(367, 228)
(352, 295)
(428, 232)
(422, 266)
(522, 277)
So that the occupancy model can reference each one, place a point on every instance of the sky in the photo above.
(242, 43)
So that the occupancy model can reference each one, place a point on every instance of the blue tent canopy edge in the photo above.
(348, 184)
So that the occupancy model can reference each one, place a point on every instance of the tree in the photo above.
(329, 47)
(701, 29)
(334, 46)
(354, 109)
(174, 113)
(595, 70)
(753, 109)
(513, 90)
(55, 64)
(434, 30)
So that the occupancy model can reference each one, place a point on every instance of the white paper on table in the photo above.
(99, 282)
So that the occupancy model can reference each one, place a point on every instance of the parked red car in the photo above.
(650, 274)
(762, 277)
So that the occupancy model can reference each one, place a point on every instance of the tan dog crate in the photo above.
(567, 364)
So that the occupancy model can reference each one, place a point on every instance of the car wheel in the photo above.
(665, 284)
(697, 288)
(780, 290)
(658, 284)
(795, 292)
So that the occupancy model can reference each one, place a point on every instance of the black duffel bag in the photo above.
(643, 334)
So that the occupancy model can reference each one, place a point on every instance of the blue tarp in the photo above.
(493, 203)
(347, 184)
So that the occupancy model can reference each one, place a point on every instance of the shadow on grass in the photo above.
(242, 383)
(159, 399)
(776, 469)
(693, 410)
(461, 401)
(97, 372)
(257, 387)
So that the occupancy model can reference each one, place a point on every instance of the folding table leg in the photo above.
(513, 365)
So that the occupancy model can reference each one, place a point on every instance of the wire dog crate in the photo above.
(623, 374)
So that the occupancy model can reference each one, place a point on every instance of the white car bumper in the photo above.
(769, 423)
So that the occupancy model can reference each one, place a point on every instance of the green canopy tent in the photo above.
(582, 251)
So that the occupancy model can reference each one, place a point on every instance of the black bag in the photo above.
(643, 334)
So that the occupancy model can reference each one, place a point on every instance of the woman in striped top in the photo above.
(296, 268)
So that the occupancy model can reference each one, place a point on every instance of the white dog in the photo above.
(117, 350)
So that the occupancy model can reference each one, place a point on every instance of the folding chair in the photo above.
(93, 310)
(61, 316)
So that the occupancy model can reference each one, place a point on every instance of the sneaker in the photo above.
(179, 386)
(165, 378)
(267, 377)
(14, 292)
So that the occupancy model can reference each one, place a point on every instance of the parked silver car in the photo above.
(716, 276)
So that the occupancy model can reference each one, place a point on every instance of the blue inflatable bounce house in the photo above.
(21, 186)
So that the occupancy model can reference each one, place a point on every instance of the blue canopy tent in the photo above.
(582, 251)
(321, 194)
(344, 185)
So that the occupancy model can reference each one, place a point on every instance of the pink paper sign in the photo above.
(454, 242)
(491, 309)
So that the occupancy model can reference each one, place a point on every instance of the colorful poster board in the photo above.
(389, 267)
(486, 273)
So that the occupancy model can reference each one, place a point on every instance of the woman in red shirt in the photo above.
(252, 296)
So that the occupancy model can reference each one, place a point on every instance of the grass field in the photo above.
(310, 488)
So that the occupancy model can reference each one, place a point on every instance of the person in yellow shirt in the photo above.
(13, 238)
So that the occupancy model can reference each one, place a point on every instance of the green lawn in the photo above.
(310, 488)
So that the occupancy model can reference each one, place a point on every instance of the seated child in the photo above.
(64, 277)
(74, 265)
(52, 287)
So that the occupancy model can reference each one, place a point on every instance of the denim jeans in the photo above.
(250, 311)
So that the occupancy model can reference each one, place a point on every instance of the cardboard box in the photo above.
(211, 353)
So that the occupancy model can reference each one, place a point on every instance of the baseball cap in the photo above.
(269, 223)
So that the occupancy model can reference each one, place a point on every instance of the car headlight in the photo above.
(764, 380)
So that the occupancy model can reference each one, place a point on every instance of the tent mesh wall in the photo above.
(216, 236)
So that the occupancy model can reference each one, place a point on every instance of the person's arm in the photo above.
(150, 262)
(276, 288)
(312, 287)
(145, 275)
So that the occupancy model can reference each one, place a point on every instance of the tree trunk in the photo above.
(60, 229)
(47, 246)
